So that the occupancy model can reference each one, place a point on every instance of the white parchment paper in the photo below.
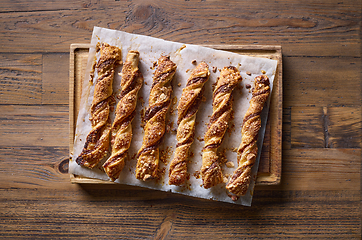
(182, 54)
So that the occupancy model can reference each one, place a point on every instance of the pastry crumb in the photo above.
(248, 73)
(194, 61)
(230, 164)
(225, 180)
(233, 197)
(154, 64)
(197, 175)
(214, 69)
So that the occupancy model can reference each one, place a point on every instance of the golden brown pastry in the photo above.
(121, 133)
(222, 106)
(155, 119)
(97, 142)
(187, 109)
(248, 148)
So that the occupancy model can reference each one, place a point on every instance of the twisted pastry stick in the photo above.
(97, 142)
(187, 109)
(121, 133)
(222, 106)
(155, 118)
(248, 148)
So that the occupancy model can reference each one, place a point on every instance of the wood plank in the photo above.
(91, 213)
(330, 127)
(322, 81)
(43, 5)
(321, 169)
(307, 127)
(34, 167)
(55, 79)
(333, 25)
(34, 125)
(20, 78)
(344, 127)
(287, 124)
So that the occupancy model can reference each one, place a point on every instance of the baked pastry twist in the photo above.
(222, 106)
(187, 108)
(155, 119)
(121, 132)
(97, 142)
(248, 148)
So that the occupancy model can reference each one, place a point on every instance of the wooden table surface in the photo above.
(320, 191)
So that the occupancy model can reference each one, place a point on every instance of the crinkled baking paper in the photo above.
(183, 55)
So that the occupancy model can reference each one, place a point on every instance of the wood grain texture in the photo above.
(344, 127)
(34, 125)
(330, 127)
(336, 22)
(20, 78)
(322, 169)
(55, 79)
(307, 127)
(322, 81)
(88, 212)
(320, 192)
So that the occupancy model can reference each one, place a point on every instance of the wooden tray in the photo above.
(270, 166)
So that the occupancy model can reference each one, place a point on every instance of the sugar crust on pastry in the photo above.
(97, 142)
(187, 109)
(155, 119)
(248, 149)
(211, 172)
(121, 132)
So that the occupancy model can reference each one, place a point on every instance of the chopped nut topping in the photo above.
(230, 164)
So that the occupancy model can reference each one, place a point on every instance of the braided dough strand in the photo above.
(222, 106)
(121, 133)
(248, 149)
(187, 109)
(97, 142)
(155, 119)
